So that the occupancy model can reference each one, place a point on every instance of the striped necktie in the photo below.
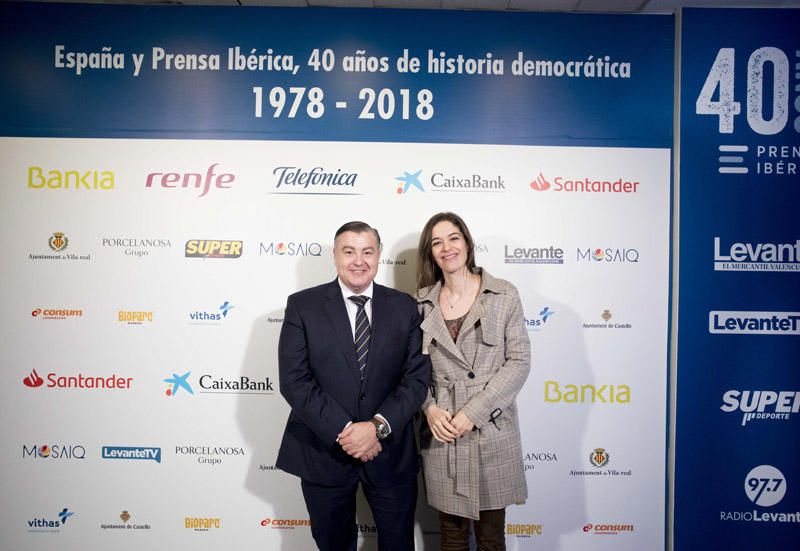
(362, 333)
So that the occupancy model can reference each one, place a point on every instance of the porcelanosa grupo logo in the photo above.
(409, 180)
(209, 455)
(294, 180)
(765, 487)
(79, 381)
(753, 323)
(45, 524)
(583, 185)
(756, 257)
(55, 451)
(534, 458)
(202, 182)
(761, 405)
(134, 246)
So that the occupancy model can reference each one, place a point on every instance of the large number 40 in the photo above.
(721, 76)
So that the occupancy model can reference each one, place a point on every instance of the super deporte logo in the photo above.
(761, 405)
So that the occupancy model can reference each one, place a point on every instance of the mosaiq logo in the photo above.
(55, 451)
(293, 180)
(202, 182)
(608, 255)
(761, 405)
(584, 184)
(756, 257)
(290, 248)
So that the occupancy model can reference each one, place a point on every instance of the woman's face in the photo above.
(448, 247)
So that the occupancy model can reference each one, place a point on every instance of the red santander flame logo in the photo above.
(33, 380)
(540, 183)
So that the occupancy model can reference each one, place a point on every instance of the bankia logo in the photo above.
(756, 257)
(213, 248)
(134, 246)
(50, 524)
(537, 323)
(59, 178)
(211, 317)
(467, 183)
(409, 180)
(140, 453)
(608, 529)
(761, 405)
(56, 313)
(584, 184)
(294, 180)
(765, 486)
(285, 523)
(55, 451)
(753, 323)
(289, 248)
(200, 181)
(210, 455)
(80, 381)
(528, 530)
(58, 242)
(607, 255)
(533, 255)
(211, 384)
(558, 393)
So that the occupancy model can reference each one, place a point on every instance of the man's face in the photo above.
(356, 256)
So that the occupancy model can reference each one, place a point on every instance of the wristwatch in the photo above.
(381, 428)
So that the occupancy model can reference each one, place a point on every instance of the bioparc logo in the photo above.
(125, 517)
(56, 313)
(213, 317)
(753, 323)
(213, 248)
(58, 243)
(607, 316)
(134, 317)
(80, 381)
(583, 185)
(761, 405)
(764, 486)
(202, 524)
(409, 180)
(607, 529)
(43, 524)
(202, 182)
(467, 183)
(285, 523)
(533, 255)
(210, 384)
(290, 248)
(756, 257)
(56, 451)
(608, 255)
(536, 324)
(524, 530)
(293, 180)
(140, 453)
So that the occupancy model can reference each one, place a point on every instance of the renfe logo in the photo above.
(191, 179)
(754, 323)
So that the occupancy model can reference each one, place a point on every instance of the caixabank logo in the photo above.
(746, 256)
(54, 451)
(79, 381)
(473, 182)
(213, 248)
(761, 405)
(409, 181)
(765, 487)
(584, 184)
(734, 322)
(50, 524)
(211, 384)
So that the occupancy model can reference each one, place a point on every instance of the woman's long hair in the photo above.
(428, 272)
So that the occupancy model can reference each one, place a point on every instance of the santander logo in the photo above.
(33, 380)
(540, 183)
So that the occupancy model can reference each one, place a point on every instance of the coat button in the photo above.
(471, 375)
(362, 397)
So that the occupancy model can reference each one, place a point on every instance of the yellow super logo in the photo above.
(210, 248)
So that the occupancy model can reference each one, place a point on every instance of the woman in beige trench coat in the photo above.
(473, 329)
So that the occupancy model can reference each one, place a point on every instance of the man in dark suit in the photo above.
(352, 370)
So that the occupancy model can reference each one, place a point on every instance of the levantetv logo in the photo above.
(128, 452)
(753, 323)
(293, 180)
(757, 257)
(50, 525)
(767, 405)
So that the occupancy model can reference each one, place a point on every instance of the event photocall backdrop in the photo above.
(738, 383)
(172, 174)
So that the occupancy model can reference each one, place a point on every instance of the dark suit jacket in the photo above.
(319, 378)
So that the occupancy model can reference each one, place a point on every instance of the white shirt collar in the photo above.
(346, 292)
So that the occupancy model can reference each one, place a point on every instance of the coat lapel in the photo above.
(433, 325)
(337, 312)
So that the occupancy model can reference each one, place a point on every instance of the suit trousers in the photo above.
(490, 532)
(332, 510)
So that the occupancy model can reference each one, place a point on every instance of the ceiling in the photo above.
(596, 6)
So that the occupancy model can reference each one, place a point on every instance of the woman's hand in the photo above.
(439, 422)
(462, 424)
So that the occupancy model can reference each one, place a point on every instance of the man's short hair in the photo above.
(358, 227)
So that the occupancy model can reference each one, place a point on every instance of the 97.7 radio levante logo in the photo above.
(766, 106)
(765, 486)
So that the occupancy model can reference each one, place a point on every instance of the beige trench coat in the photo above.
(481, 374)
